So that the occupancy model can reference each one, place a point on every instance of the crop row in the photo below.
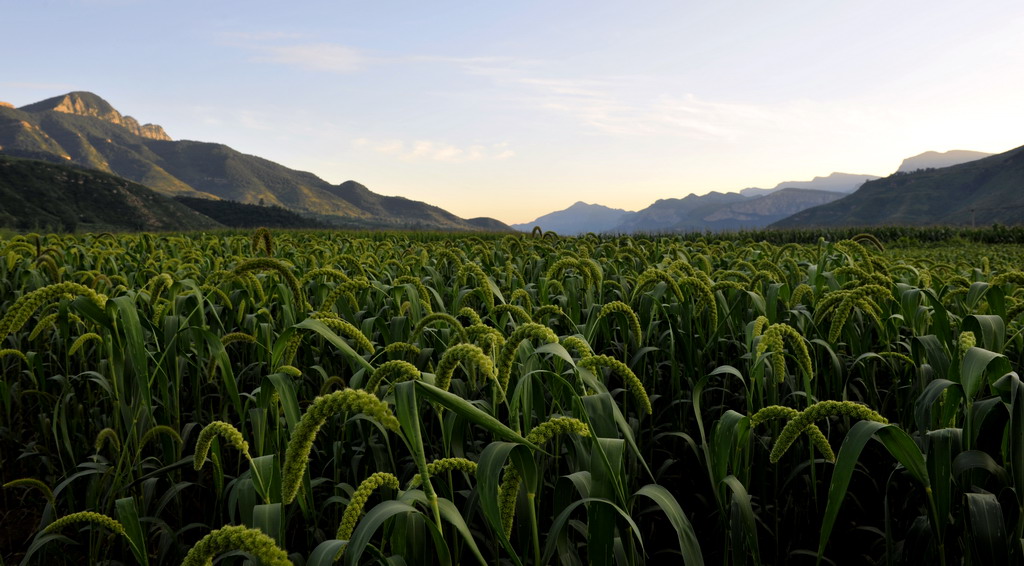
(310, 397)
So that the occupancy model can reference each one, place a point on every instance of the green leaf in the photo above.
(89, 310)
(728, 438)
(899, 445)
(942, 445)
(1011, 390)
(971, 460)
(468, 411)
(556, 349)
(41, 541)
(128, 515)
(988, 329)
(980, 367)
(689, 546)
(376, 517)
(987, 532)
(559, 523)
(940, 317)
(285, 387)
(934, 352)
(338, 342)
(266, 478)
(606, 476)
(742, 523)
(451, 514)
(128, 317)
(975, 293)
(269, 519)
(324, 553)
(923, 405)
(220, 356)
(488, 475)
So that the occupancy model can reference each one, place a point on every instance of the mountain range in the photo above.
(579, 218)
(836, 182)
(980, 192)
(747, 209)
(75, 162)
(83, 129)
(753, 208)
(937, 160)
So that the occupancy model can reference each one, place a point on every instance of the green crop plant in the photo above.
(217, 428)
(822, 409)
(773, 340)
(839, 305)
(466, 355)
(25, 306)
(660, 345)
(430, 319)
(814, 433)
(394, 371)
(631, 381)
(251, 541)
(443, 466)
(506, 357)
(345, 329)
(539, 436)
(86, 517)
(301, 442)
(35, 484)
(355, 506)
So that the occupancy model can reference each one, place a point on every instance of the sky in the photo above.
(519, 108)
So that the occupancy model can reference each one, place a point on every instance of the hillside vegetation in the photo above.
(84, 129)
(41, 196)
(986, 191)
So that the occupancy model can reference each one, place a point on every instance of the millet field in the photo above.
(313, 398)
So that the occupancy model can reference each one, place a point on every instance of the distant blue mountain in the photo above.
(579, 218)
(936, 160)
(836, 182)
(750, 208)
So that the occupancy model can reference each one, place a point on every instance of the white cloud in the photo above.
(315, 57)
(629, 106)
(296, 50)
(651, 106)
(433, 150)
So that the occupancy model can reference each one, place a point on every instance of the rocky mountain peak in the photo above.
(82, 103)
(6, 104)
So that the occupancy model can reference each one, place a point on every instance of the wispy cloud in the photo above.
(650, 106)
(432, 150)
(646, 105)
(296, 50)
(604, 105)
(316, 57)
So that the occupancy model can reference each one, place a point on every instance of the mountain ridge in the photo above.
(834, 182)
(81, 103)
(84, 129)
(981, 191)
(578, 218)
(719, 211)
(716, 211)
(38, 195)
(938, 160)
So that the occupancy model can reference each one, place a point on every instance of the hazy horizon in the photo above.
(514, 111)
